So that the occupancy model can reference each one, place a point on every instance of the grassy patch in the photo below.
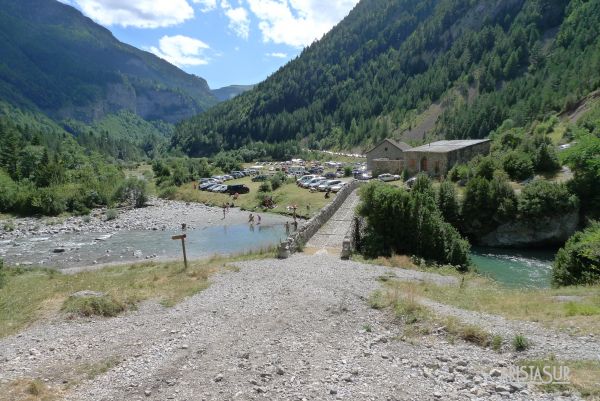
(94, 306)
(93, 370)
(537, 305)
(406, 262)
(467, 332)
(584, 376)
(288, 194)
(520, 343)
(31, 295)
(28, 390)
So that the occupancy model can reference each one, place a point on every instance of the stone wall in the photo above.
(384, 150)
(307, 230)
(380, 166)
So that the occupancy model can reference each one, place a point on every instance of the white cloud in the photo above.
(137, 13)
(298, 22)
(277, 55)
(206, 5)
(239, 21)
(181, 50)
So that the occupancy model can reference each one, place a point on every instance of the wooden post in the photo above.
(182, 237)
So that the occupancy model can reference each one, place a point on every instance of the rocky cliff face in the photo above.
(539, 232)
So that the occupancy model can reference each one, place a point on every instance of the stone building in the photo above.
(389, 154)
(437, 158)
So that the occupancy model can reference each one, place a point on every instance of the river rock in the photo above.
(88, 294)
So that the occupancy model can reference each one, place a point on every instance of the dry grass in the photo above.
(30, 295)
(584, 376)
(537, 305)
(28, 390)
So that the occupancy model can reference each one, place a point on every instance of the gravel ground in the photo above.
(290, 329)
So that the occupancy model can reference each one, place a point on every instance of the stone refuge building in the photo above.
(389, 155)
(435, 158)
(438, 157)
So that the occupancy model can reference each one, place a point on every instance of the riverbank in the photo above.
(135, 234)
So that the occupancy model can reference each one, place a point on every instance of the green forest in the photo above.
(389, 61)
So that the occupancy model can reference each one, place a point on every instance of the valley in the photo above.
(407, 209)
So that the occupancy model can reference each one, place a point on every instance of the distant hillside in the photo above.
(229, 92)
(54, 59)
(445, 68)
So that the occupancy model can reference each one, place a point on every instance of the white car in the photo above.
(308, 183)
(314, 183)
(338, 187)
(305, 178)
(388, 177)
(327, 184)
(219, 188)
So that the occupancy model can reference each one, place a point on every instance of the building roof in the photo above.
(400, 145)
(448, 146)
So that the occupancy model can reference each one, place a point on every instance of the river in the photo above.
(515, 268)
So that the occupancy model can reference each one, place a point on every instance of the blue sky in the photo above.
(224, 41)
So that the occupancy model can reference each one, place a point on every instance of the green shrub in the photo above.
(347, 171)
(584, 159)
(277, 181)
(111, 214)
(520, 343)
(487, 204)
(167, 192)
(546, 159)
(497, 343)
(459, 172)
(133, 191)
(578, 262)
(518, 165)
(409, 223)
(105, 306)
(8, 192)
(265, 187)
(448, 203)
(542, 198)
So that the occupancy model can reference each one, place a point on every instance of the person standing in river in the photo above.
(224, 210)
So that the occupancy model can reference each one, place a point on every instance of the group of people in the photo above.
(251, 218)
(226, 207)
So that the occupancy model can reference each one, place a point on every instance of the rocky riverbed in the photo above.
(133, 234)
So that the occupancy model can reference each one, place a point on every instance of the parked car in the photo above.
(330, 176)
(208, 186)
(410, 182)
(305, 178)
(259, 178)
(237, 189)
(388, 177)
(314, 184)
(337, 188)
(308, 183)
(327, 184)
(364, 177)
(219, 188)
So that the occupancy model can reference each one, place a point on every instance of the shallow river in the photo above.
(84, 249)
(515, 268)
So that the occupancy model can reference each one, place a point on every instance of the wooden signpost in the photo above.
(182, 237)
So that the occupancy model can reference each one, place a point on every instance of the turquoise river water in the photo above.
(515, 268)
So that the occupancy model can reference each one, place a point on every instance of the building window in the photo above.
(386, 148)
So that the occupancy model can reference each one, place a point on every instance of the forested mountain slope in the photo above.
(373, 75)
(231, 91)
(54, 59)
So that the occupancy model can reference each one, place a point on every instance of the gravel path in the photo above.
(331, 235)
(290, 329)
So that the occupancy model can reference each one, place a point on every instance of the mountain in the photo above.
(229, 92)
(412, 69)
(54, 59)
